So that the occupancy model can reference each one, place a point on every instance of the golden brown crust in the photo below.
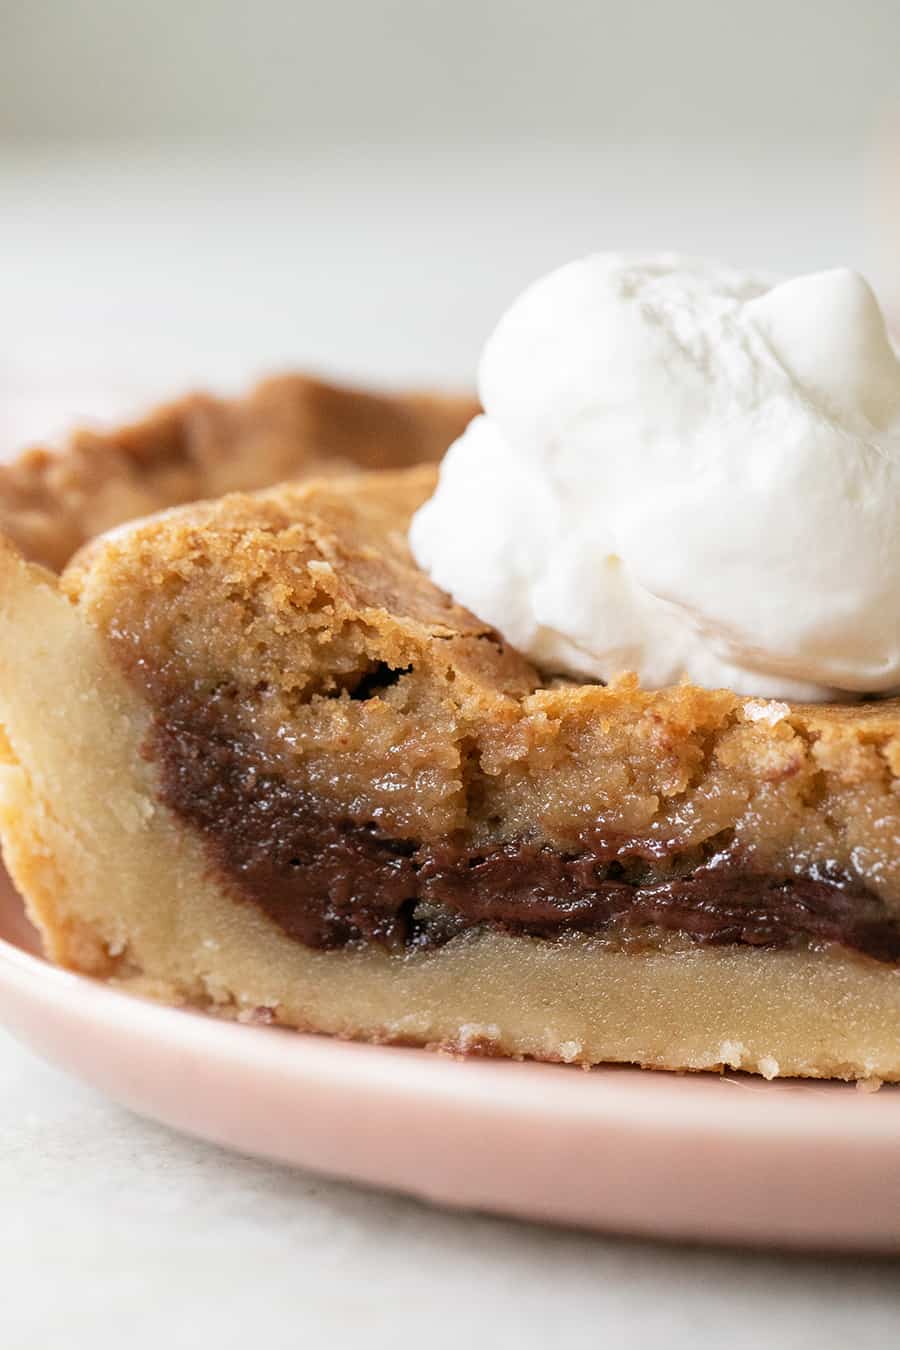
(291, 426)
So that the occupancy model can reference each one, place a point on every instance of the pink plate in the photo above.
(698, 1157)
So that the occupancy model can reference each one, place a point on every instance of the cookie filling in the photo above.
(329, 880)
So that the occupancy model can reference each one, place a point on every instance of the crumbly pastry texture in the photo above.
(256, 762)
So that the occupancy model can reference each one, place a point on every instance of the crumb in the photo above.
(261, 1016)
(765, 710)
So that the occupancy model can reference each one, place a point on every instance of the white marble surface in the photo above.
(123, 278)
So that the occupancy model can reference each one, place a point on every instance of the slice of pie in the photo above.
(257, 763)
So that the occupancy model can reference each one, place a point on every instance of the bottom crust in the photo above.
(120, 890)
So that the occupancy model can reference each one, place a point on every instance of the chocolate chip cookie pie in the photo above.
(255, 761)
(583, 749)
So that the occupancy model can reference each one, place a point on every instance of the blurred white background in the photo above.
(200, 193)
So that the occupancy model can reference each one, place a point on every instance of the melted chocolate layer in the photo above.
(328, 880)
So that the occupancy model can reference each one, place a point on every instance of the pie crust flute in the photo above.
(256, 763)
(289, 426)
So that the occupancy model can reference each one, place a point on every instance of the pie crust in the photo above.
(291, 426)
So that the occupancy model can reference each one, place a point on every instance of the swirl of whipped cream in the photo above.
(685, 472)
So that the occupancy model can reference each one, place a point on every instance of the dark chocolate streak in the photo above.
(328, 880)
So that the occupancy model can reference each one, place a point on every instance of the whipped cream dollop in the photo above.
(687, 472)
